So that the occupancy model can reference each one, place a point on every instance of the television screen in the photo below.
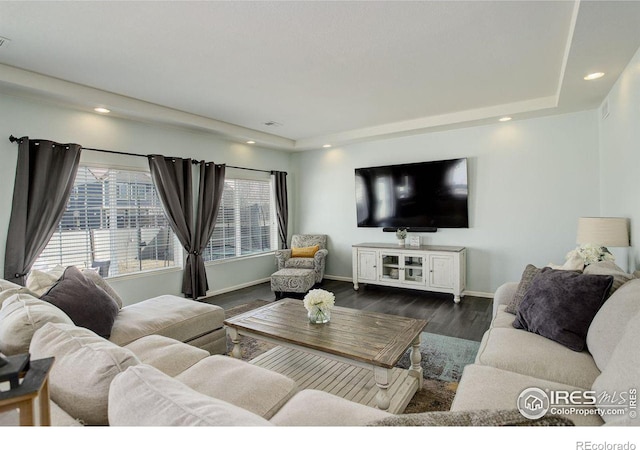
(426, 194)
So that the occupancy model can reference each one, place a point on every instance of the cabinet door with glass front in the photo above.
(402, 268)
(413, 269)
(390, 267)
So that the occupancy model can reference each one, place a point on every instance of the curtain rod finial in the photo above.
(12, 138)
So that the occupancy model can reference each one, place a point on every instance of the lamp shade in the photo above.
(605, 231)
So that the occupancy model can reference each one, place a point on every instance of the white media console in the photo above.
(424, 267)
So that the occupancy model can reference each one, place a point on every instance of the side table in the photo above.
(35, 383)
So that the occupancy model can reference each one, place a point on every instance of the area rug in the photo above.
(443, 359)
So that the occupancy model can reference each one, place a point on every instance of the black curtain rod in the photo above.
(14, 139)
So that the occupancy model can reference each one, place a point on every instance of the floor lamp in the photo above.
(609, 232)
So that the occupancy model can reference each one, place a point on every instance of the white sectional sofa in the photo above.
(511, 360)
(23, 312)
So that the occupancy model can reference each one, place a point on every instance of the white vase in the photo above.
(400, 241)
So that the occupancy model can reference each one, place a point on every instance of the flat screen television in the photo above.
(426, 194)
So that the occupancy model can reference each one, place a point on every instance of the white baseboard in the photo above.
(338, 278)
(236, 287)
(478, 294)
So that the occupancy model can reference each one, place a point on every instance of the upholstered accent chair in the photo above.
(317, 263)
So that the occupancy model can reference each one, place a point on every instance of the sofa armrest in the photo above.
(504, 294)
(281, 257)
(320, 255)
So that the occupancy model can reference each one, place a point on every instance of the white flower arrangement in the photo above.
(401, 233)
(590, 254)
(319, 298)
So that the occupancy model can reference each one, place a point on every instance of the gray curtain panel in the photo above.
(209, 196)
(282, 205)
(172, 179)
(45, 175)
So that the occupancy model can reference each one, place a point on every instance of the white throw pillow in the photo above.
(83, 370)
(40, 281)
(144, 396)
(21, 316)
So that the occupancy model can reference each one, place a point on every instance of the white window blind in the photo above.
(114, 221)
(244, 224)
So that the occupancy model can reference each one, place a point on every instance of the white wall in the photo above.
(620, 154)
(529, 181)
(40, 120)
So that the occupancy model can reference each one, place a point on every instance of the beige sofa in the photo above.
(511, 360)
(22, 313)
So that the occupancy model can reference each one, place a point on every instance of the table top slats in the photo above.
(370, 337)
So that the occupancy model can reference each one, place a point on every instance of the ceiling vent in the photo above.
(271, 123)
(4, 42)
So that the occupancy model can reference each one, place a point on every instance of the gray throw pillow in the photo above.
(88, 305)
(528, 275)
(560, 305)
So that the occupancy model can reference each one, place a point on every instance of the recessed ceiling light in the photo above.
(326, 146)
(504, 119)
(594, 76)
(102, 110)
(251, 142)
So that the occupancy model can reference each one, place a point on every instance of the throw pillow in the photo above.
(528, 275)
(40, 281)
(102, 283)
(304, 252)
(88, 305)
(84, 368)
(560, 305)
(620, 277)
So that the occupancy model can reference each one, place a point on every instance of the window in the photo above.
(114, 221)
(244, 224)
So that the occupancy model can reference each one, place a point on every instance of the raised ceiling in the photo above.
(325, 72)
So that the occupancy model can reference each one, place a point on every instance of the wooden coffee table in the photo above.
(353, 353)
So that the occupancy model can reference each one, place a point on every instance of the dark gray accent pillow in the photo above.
(560, 305)
(528, 275)
(88, 305)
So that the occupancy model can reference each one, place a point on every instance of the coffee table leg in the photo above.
(382, 377)
(416, 369)
(235, 338)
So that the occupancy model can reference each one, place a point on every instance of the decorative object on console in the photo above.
(401, 234)
(603, 232)
(590, 254)
(414, 241)
(318, 303)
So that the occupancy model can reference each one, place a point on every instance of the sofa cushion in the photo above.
(7, 289)
(21, 316)
(317, 408)
(560, 305)
(609, 324)
(620, 277)
(530, 272)
(144, 396)
(166, 354)
(531, 354)
(167, 315)
(250, 387)
(502, 318)
(85, 364)
(621, 376)
(483, 387)
(88, 305)
(299, 263)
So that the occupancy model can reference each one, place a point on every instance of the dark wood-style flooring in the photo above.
(467, 320)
